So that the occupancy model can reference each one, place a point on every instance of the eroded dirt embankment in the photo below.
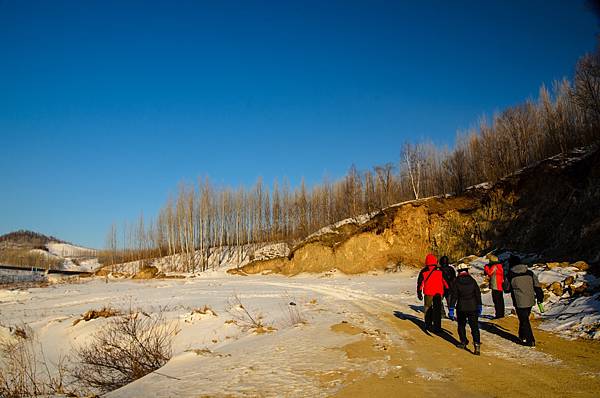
(551, 208)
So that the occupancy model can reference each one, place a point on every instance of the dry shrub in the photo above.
(129, 347)
(206, 310)
(24, 371)
(104, 312)
(244, 317)
(292, 311)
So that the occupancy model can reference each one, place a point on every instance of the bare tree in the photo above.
(413, 161)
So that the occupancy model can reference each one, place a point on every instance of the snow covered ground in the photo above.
(210, 345)
(68, 250)
(572, 317)
(214, 356)
(218, 258)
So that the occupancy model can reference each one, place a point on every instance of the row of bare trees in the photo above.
(202, 216)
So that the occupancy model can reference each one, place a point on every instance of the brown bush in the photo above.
(129, 347)
(104, 312)
(24, 371)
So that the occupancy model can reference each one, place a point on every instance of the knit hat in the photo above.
(462, 267)
(430, 259)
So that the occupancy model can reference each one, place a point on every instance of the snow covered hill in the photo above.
(69, 250)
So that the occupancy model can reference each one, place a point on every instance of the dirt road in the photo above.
(425, 363)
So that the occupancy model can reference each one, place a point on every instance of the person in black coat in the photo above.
(449, 275)
(466, 297)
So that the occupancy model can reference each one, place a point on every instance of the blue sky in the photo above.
(105, 106)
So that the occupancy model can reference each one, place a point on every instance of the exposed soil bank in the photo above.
(550, 208)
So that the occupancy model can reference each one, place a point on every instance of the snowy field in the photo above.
(213, 355)
(208, 345)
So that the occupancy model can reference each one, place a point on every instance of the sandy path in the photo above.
(425, 363)
(420, 363)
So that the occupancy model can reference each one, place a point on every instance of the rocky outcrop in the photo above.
(550, 208)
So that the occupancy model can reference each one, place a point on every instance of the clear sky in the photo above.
(105, 106)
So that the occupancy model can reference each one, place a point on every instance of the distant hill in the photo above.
(28, 248)
(26, 238)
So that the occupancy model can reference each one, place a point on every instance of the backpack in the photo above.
(449, 273)
(506, 280)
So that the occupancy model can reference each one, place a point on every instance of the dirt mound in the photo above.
(550, 208)
(148, 272)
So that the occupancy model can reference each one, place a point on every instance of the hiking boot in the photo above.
(530, 344)
(477, 350)
(463, 345)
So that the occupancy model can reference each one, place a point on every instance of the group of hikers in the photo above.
(463, 295)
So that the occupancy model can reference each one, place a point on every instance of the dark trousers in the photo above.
(471, 317)
(525, 332)
(447, 297)
(433, 312)
(498, 298)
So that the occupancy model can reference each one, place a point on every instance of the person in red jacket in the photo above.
(494, 271)
(432, 284)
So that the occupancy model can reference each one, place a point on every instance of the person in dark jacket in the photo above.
(432, 284)
(495, 273)
(449, 275)
(466, 297)
(525, 290)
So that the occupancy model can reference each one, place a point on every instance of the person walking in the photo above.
(432, 284)
(465, 296)
(495, 273)
(525, 290)
(449, 275)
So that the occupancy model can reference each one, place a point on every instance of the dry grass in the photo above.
(246, 318)
(293, 311)
(104, 312)
(132, 345)
(26, 258)
(24, 371)
(206, 310)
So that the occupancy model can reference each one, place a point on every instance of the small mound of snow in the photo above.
(198, 315)
(7, 296)
(67, 250)
(556, 274)
(272, 251)
(333, 228)
(578, 317)
(43, 253)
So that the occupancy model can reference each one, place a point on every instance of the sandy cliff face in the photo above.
(551, 208)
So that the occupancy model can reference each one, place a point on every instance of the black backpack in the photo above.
(506, 279)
